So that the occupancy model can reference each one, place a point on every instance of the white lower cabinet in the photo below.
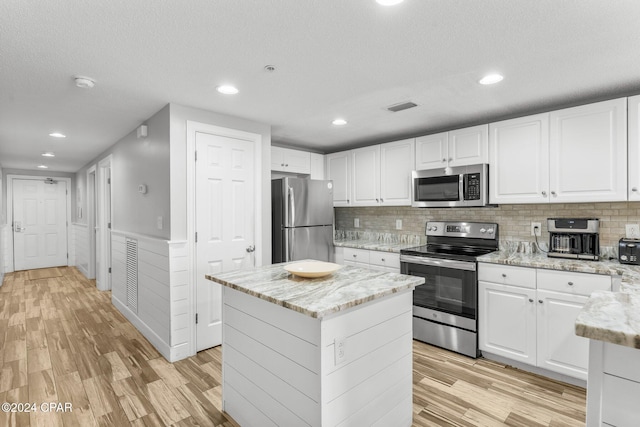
(375, 260)
(533, 321)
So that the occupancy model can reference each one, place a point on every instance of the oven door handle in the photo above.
(438, 262)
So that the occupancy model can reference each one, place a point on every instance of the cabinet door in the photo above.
(469, 146)
(365, 172)
(559, 348)
(519, 160)
(507, 321)
(634, 148)
(588, 153)
(296, 161)
(396, 164)
(317, 166)
(432, 151)
(277, 159)
(339, 171)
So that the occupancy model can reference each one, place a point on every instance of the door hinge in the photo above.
(109, 225)
(196, 237)
(196, 156)
(196, 318)
(66, 191)
(108, 180)
(109, 269)
(67, 255)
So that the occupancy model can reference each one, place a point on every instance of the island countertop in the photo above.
(348, 287)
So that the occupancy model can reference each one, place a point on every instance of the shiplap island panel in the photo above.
(332, 351)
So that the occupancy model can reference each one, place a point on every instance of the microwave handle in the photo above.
(463, 196)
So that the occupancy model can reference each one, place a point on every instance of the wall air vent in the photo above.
(132, 274)
(402, 106)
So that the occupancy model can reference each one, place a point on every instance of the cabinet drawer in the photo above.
(622, 361)
(573, 283)
(507, 275)
(384, 259)
(356, 255)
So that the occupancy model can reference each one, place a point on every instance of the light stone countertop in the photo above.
(612, 317)
(348, 287)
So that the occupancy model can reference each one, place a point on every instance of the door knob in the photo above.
(251, 248)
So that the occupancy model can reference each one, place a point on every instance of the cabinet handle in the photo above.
(281, 164)
(553, 193)
(286, 165)
(382, 259)
(451, 159)
(347, 201)
(540, 301)
(570, 283)
(444, 160)
(377, 201)
(634, 189)
(355, 256)
(530, 299)
(544, 193)
(381, 200)
(504, 275)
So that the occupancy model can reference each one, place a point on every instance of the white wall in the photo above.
(2, 222)
(137, 161)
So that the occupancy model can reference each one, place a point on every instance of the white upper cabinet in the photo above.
(396, 164)
(519, 160)
(338, 166)
(588, 153)
(432, 151)
(365, 182)
(317, 166)
(469, 146)
(458, 147)
(577, 154)
(293, 161)
(634, 148)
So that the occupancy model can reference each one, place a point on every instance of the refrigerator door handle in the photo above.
(291, 206)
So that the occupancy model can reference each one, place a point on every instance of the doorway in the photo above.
(225, 216)
(93, 265)
(103, 225)
(38, 210)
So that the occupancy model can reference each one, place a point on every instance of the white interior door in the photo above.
(39, 224)
(225, 223)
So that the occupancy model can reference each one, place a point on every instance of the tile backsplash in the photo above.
(514, 220)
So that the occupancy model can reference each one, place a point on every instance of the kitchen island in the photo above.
(331, 351)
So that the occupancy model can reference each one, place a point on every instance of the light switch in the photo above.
(356, 222)
(398, 224)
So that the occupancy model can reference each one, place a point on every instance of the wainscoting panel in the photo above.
(81, 243)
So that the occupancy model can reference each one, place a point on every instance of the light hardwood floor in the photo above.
(61, 340)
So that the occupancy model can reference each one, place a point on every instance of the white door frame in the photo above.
(91, 221)
(103, 244)
(10, 266)
(192, 129)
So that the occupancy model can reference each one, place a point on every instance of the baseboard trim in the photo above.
(172, 354)
(535, 370)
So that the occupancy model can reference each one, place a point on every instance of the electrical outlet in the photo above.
(356, 222)
(398, 224)
(536, 229)
(339, 350)
(633, 231)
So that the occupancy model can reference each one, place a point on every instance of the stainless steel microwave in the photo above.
(462, 186)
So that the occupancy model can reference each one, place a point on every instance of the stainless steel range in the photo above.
(445, 307)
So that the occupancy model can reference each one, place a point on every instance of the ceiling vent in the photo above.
(401, 106)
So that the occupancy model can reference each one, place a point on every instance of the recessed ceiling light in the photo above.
(48, 154)
(339, 122)
(43, 167)
(57, 135)
(490, 79)
(389, 2)
(84, 82)
(227, 89)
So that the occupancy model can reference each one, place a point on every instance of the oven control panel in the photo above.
(478, 230)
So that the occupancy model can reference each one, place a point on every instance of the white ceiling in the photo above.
(347, 58)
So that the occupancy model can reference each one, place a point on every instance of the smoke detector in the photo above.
(84, 82)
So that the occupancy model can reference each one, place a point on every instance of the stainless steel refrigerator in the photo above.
(302, 219)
